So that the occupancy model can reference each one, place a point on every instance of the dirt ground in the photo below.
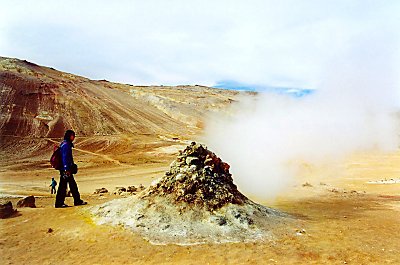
(342, 219)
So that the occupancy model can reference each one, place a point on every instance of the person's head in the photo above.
(52, 178)
(69, 135)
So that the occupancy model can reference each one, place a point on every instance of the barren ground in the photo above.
(128, 135)
(345, 219)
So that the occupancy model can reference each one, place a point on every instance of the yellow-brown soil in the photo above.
(341, 222)
(128, 135)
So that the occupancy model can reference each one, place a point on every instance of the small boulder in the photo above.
(27, 202)
(131, 189)
(119, 190)
(300, 232)
(99, 191)
(6, 210)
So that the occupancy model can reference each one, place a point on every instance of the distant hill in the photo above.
(38, 101)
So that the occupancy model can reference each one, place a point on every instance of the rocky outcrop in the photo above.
(27, 202)
(195, 202)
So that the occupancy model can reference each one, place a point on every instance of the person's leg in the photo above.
(73, 187)
(62, 189)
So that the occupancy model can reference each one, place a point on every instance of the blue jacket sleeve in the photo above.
(66, 154)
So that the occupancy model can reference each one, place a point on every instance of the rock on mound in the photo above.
(195, 202)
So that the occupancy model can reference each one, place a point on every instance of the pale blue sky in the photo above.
(275, 43)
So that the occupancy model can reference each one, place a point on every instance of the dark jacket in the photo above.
(66, 154)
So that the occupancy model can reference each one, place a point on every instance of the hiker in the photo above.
(53, 185)
(67, 173)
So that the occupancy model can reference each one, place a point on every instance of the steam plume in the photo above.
(355, 109)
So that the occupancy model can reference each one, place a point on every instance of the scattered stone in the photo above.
(101, 190)
(131, 189)
(385, 181)
(307, 185)
(6, 210)
(119, 190)
(300, 232)
(27, 202)
(333, 190)
(50, 230)
(195, 202)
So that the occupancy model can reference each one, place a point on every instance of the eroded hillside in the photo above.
(39, 103)
(43, 102)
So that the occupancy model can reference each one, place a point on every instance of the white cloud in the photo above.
(175, 42)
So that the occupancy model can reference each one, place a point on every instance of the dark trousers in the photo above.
(62, 189)
(53, 190)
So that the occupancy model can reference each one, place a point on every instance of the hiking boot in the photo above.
(80, 203)
(62, 206)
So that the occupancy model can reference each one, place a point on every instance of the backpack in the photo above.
(55, 159)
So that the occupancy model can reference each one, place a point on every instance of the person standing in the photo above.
(67, 173)
(53, 185)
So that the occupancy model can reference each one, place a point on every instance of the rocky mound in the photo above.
(198, 178)
(195, 202)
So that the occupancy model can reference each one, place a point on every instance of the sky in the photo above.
(283, 43)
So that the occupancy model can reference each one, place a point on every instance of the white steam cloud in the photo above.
(356, 108)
